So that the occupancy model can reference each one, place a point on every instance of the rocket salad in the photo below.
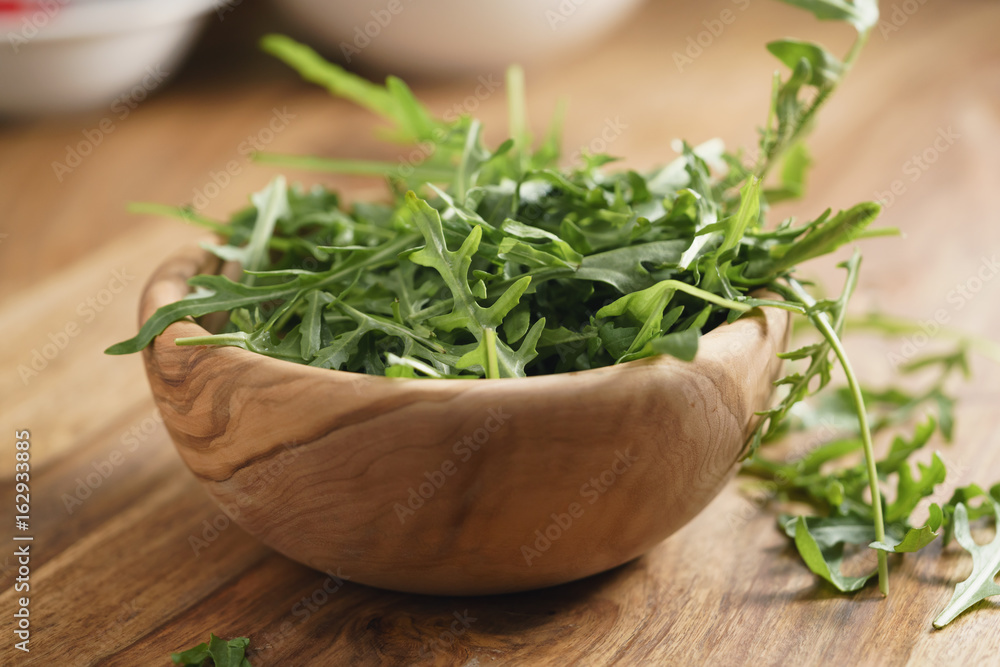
(498, 262)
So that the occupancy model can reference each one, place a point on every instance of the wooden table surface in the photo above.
(125, 564)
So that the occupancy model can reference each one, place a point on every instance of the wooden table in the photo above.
(126, 566)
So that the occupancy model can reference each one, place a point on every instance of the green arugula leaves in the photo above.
(824, 478)
(217, 652)
(501, 263)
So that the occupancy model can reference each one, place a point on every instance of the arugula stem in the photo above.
(780, 305)
(822, 322)
(492, 367)
(233, 339)
(517, 114)
(188, 215)
(462, 173)
(283, 315)
(708, 296)
(778, 148)
(356, 167)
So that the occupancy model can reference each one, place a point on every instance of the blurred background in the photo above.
(105, 102)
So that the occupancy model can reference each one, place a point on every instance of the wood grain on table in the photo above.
(131, 560)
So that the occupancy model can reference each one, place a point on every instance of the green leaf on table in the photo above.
(828, 531)
(964, 495)
(915, 539)
(981, 583)
(825, 561)
(217, 652)
(901, 448)
(910, 491)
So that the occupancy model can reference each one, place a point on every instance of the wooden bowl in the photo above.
(459, 487)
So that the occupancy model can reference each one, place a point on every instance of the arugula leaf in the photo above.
(862, 14)
(824, 66)
(911, 491)
(491, 354)
(915, 538)
(826, 561)
(963, 496)
(981, 583)
(393, 102)
(817, 375)
(795, 167)
(223, 294)
(216, 652)
(822, 237)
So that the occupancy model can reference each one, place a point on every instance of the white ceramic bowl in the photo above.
(64, 55)
(451, 36)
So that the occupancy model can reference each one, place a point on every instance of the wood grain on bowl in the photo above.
(452, 486)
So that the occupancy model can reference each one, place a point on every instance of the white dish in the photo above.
(453, 36)
(67, 56)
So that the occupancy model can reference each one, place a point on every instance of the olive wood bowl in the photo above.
(459, 487)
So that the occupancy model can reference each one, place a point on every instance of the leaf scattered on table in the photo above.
(981, 583)
(217, 652)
